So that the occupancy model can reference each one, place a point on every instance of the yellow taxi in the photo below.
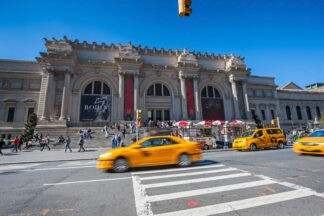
(312, 144)
(151, 151)
(260, 138)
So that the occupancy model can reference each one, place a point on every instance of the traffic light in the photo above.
(184, 7)
(138, 115)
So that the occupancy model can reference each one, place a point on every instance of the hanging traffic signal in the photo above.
(184, 7)
(138, 115)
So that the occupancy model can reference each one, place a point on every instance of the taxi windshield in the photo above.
(247, 133)
(317, 134)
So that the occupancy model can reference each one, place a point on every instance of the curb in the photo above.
(29, 162)
(217, 150)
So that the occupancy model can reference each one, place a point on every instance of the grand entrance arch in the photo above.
(95, 103)
(212, 104)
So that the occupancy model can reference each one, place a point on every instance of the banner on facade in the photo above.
(190, 99)
(95, 108)
(129, 97)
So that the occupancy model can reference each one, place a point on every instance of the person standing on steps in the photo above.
(67, 143)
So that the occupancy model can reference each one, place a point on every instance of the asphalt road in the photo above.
(268, 182)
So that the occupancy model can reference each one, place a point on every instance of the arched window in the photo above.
(309, 114)
(299, 115)
(97, 88)
(158, 89)
(210, 92)
(318, 112)
(288, 112)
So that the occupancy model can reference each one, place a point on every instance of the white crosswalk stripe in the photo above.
(178, 169)
(143, 201)
(14, 167)
(77, 163)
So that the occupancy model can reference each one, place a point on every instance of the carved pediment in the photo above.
(187, 57)
(235, 62)
(128, 51)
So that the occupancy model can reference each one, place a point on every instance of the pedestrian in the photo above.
(81, 143)
(29, 144)
(67, 144)
(113, 142)
(14, 144)
(20, 143)
(46, 143)
(124, 132)
(1, 144)
(118, 139)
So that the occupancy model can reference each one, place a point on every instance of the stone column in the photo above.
(235, 97)
(44, 100)
(121, 96)
(196, 96)
(183, 98)
(65, 96)
(136, 92)
(246, 101)
(268, 113)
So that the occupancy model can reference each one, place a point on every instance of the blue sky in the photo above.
(280, 38)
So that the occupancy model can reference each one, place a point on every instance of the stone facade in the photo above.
(164, 84)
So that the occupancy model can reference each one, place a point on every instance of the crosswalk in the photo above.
(169, 192)
(29, 167)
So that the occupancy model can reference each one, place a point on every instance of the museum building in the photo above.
(76, 84)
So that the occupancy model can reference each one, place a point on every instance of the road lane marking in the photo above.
(77, 163)
(241, 204)
(198, 180)
(64, 210)
(208, 190)
(16, 214)
(6, 168)
(271, 189)
(143, 207)
(176, 169)
(188, 174)
(57, 168)
(88, 181)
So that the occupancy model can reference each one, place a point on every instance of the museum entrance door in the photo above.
(212, 104)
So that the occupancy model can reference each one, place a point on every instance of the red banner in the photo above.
(128, 97)
(190, 99)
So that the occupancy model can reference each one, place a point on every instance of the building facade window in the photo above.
(30, 111)
(210, 92)
(11, 114)
(272, 114)
(318, 112)
(309, 114)
(263, 115)
(253, 113)
(158, 89)
(288, 113)
(299, 115)
(96, 88)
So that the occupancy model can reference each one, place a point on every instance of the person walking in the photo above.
(81, 143)
(46, 143)
(1, 144)
(124, 132)
(20, 143)
(67, 143)
(113, 142)
(14, 144)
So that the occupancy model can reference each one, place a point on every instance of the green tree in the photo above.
(321, 121)
(257, 121)
(29, 127)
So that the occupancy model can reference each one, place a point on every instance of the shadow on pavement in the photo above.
(196, 163)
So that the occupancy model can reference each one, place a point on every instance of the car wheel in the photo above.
(253, 147)
(120, 165)
(281, 145)
(206, 147)
(184, 160)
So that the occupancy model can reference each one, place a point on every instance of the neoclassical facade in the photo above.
(77, 84)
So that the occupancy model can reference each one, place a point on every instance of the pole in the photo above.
(136, 131)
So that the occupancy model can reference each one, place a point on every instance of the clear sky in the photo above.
(280, 38)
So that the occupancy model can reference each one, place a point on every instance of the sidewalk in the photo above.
(54, 155)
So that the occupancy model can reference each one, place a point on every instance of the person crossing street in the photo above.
(67, 144)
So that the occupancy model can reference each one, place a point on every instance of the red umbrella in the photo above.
(181, 123)
(237, 122)
(204, 123)
(218, 122)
